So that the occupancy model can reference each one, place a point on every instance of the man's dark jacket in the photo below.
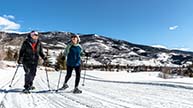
(27, 55)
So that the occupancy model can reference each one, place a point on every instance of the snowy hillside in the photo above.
(101, 90)
(104, 50)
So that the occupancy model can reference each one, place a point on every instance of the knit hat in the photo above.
(33, 33)
(74, 35)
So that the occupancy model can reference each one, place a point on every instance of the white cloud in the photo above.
(173, 27)
(7, 25)
(183, 49)
(9, 16)
(159, 46)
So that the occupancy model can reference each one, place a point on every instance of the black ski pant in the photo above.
(69, 74)
(30, 73)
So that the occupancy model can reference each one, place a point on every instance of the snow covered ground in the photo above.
(101, 90)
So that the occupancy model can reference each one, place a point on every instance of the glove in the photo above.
(45, 63)
(19, 61)
(57, 67)
(87, 54)
(63, 58)
(45, 59)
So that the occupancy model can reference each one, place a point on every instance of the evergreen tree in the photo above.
(16, 55)
(9, 54)
(61, 63)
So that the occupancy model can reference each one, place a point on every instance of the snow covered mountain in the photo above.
(104, 50)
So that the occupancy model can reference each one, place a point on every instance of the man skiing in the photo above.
(29, 54)
(73, 54)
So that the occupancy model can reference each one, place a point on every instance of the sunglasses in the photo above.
(73, 37)
(35, 36)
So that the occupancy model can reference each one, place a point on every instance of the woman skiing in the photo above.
(73, 54)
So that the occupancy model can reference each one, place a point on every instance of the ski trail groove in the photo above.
(5, 90)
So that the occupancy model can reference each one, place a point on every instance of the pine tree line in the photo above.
(12, 55)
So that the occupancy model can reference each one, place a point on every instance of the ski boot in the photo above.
(77, 91)
(65, 86)
(32, 88)
(26, 91)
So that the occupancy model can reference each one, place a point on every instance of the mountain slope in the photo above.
(106, 50)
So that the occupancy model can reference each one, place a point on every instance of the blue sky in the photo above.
(167, 23)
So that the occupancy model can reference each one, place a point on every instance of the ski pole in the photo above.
(14, 75)
(85, 71)
(47, 78)
(59, 80)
